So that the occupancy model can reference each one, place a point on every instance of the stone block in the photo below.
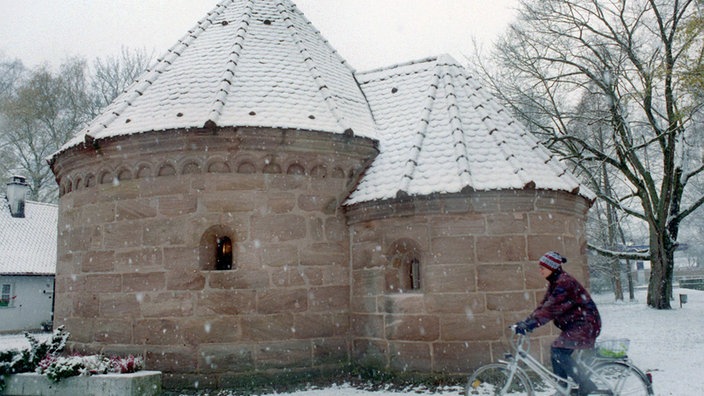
(181, 279)
(219, 302)
(510, 301)
(404, 303)
(85, 305)
(122, 235)
(455, 303)
(460, 357)
(162, 232)
(171, 359)
(308, 325)
(458, 278)
(267, 327)
(279, 228)
(453, 250)
(139, 260)
(213, 330)
(471, 327)
(279, 254)
(98, 261)
(112, 331)
(135, 209)
(158, 331)
(468, 225)
(506, 223)
(177, 205)
(412, 327)
(282, 300)
(370, 353)
(169, 304)
(334, 351)
(229, 201)
(329, 299)
(226, 357)
(238, 279)
(367, 326)
(368, 282)
(281, 202)
(497, 249)
(103, 283)
(500, 277)
(542, 223)
(143, 281)
(177, 257)
(410, 357)
(279, 355)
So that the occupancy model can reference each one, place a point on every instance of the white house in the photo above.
(27, 260)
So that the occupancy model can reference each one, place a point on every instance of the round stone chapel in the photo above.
(252, 206)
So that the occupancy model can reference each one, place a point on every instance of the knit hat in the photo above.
(552, 260)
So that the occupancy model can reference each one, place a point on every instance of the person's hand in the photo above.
(525, 326)
(522, 328)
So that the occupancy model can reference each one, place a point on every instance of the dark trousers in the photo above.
(564, 365)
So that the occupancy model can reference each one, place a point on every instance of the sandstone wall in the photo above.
(478, 272)
(135, 218)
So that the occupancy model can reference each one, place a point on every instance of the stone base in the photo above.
(142, 383)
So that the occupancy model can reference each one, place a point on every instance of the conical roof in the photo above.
(440, 132)
(257, 63)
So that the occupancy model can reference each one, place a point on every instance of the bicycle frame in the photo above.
(588, 361)
(534, 365)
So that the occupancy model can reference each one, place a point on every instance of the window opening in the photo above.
(403, 271)
(223, 259)
(218, 249)
(6, 295)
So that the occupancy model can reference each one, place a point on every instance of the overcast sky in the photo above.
(368, 33)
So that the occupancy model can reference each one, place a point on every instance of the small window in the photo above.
(403, 272)
(6, 296)
(223, 255)
(217, 249)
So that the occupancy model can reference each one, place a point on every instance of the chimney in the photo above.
(16, 192)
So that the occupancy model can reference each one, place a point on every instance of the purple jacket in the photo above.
(572, 309)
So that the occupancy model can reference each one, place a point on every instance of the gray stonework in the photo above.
(314, 285)
(477, 254)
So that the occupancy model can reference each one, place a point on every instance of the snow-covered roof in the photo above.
(257, 63)
(28, 244)
(260, 63)
(440, 132)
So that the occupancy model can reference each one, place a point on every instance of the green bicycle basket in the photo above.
(616, 348)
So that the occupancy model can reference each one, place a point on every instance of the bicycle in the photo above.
(614, 375)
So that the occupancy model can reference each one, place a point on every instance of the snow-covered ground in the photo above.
(669, 344)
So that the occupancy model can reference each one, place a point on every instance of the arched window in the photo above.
(217, 249)
(403, 271)
(223, 255)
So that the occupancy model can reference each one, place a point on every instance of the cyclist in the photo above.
(573, 311)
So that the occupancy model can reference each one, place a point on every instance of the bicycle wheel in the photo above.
(495, 379)
(621, 378)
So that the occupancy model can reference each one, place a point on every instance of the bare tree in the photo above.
(41, 110)
(113, 74)
(639, 57)
(41, 114)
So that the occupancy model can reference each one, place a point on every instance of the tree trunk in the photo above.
(616, 278)
(661, 270)
(629, 278)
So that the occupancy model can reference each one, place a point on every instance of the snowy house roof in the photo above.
(260, 63)
(440, 132)
(257, 63)
(28, 244)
